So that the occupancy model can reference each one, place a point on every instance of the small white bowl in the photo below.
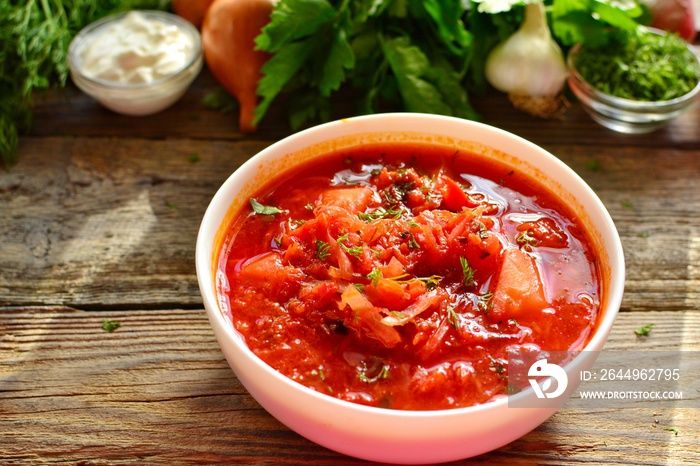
(377, 434)
(136, 98)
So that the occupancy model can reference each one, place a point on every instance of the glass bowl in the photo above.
(626, 115)
(142, 98)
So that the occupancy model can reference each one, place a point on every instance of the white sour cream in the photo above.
(136, 50)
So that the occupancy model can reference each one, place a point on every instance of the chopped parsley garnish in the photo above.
(644, 330)
(412, 243)
(354, 251)
(258, 208)
(484, 302)
(375, 275)
(381, 212)
(526, 238)
(467, 272)
(110, 325)
(381, 372)
(194, 158)
(452, 317)
(641, 66)
(431, 282)
(322, 250)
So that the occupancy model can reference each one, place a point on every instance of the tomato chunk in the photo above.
(355, 199)
(453, 197)
(268, 272)
(519, 290)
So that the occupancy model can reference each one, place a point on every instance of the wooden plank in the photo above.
(70, 112)
(104, 223)
(158, 391)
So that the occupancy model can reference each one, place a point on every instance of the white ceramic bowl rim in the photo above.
(76, 45)
(621, 102)
(208, 230)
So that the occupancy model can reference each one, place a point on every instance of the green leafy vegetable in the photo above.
(381, 212)
(525, 238)
(484, 302)
(380, 370)
(110, 325)
(415, 55)
(322, 250)
(641, 66)
(644, 330)
(34, 39)
(467, 272)
(353, 251)
(452, 317)
(408, 52)
(219, 99)
(593, 23)
(375, 275)
(258, 208)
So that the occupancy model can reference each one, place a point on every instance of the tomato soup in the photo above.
(400, 276)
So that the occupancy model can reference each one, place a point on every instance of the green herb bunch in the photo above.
(34, 39)
(412, 55)
(409, 51)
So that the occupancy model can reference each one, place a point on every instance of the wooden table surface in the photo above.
(98, 220)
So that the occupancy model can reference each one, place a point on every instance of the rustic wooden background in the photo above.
(98, 220)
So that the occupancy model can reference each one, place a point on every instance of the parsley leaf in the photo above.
(322, 250)
(389, 50)
(258, 208)
(644, 330)
(292, 20)
(381, 369)
(110, 325)
(277, 72)
(467, 272)
(410, 66)
(582, 21)
(354, 251)
(452, 317)
(375, 275)
(340, 58)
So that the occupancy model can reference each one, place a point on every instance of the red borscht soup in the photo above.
(401, 275)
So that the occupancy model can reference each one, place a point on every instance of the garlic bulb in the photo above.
(529, 66)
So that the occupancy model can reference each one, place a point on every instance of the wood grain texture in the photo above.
(158, 391)
(70, 113)
(98, 220)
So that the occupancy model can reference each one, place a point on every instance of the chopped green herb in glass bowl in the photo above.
(637, 84)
